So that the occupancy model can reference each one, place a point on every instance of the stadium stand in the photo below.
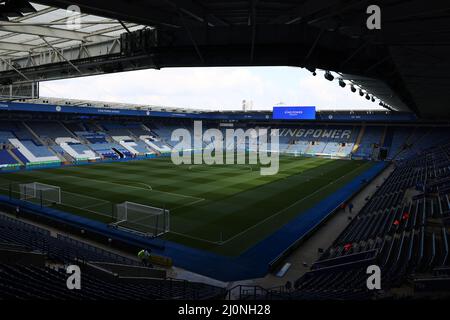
(114, 140)
(39, 151)
(399, 138)
(106, 150)
(319, 140)
(31, 282)
(95, 204)
(105, 139)
(371, 139)
(20, 156)
(7, 160)
(401, 228)
(49, 130)
(425, 138)
(92, 137)
(62, 248)
(18, 130)
(5, 136)
(47, 281)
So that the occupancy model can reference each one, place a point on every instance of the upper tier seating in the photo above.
(49, 129)
(308, 139)
(429, 137)
(372, 136)
(5, 136)
(399, 138)
(121, 129)
(318, 140)
(76, 126)
(6, 159)
(18, 130)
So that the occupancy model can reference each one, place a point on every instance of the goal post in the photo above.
(142, 218)
(41, 193)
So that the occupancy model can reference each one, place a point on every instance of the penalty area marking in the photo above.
(147, 186)
(129, 186)
(196, 238)
(87, 210)
(188, 204)
(95, 205)
(85, 196)
(204, 167)
(268, 218)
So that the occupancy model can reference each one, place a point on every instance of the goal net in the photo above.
(40, 193)
(142, 219)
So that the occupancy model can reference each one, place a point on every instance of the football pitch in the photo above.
(223, 208)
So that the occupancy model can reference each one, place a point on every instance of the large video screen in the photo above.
(294, 113)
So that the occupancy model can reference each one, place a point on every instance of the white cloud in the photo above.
(211, 88)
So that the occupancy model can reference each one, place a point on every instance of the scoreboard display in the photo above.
(294, 113)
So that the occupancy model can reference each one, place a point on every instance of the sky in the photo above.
(212, 89)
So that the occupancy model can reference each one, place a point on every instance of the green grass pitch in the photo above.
(225, 209)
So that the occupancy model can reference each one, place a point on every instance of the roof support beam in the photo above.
(194, 43)
(197, 12)
(54, 33)
(62, 56)
(252, 21)
(147, 12)
(305, 9)
(15, 69)
(10, 46)
(56, 55)
(142, 12)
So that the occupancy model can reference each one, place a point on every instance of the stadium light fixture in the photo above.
(367, 97)
(373, 99)
(361, 93)
(312, 70)
(353, 88)
(342, 84)
(328, 76)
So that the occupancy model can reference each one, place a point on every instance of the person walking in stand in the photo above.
(144, 256)
(350, 207)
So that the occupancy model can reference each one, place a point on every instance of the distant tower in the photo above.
(247, 105)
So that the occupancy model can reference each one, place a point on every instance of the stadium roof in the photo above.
(40, 28)
(131, 106)
(405, 64)
(112, 105)
(34, 35)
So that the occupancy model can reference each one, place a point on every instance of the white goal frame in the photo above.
(38, 191)
(131, 215)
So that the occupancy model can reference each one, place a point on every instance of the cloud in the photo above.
(210, 88)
